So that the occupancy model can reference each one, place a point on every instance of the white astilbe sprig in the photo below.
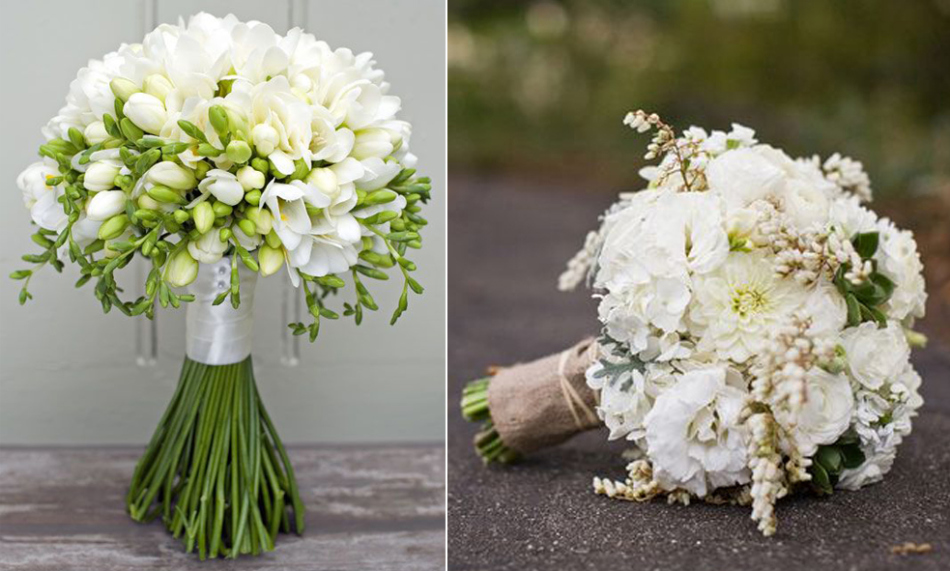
(578, 267)
(807, 254)
(680, 156)
(638, 487)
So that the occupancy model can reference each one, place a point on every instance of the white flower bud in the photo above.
(372, 143)
(209, 248)
(158, 86)
(203, 215)
(325, 180)
(96, 133)
(172, 175)
(105, 204)
(224, 186)
(182, 269)
(269, 259)
(123, 88)
(250, 178)
(146, 111)
(100, 176)
(265, 138)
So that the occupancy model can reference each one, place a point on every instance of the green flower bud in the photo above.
(225, 234)
(273, 240)
(221, 209)
(129, 130)
(239, 151)
(181, 216)
(182, 269)
(203, 215)
(253, 198)
(238, 124)
(147, 202)
(201, 169)
(113, 227)
(379, 197)
(269, 259)
(261, 218)
(247, 227)
(123, 88)
(208, 150)
(165, 194)
(261, 165)
(219, 120)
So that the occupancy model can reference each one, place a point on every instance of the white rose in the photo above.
(224, 186)
(105, 205)
(899, 260)
(209, 248)
(694, 434)
(101, 175)
(875, 355)
(825, 414)
(146, 111)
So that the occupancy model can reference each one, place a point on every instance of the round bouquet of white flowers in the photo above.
(218, 151)
(756, 327)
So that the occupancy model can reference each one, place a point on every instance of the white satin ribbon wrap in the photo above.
(219, 334)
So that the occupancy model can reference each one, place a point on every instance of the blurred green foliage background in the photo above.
(541, 87)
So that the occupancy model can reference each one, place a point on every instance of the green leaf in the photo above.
(854, 310)
(830, 459)
(820, 479)
(865, 243)
(852, 456)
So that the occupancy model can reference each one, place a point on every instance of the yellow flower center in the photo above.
(747, 300)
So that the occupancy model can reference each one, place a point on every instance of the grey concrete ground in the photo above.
(508, 243)
(368, 507)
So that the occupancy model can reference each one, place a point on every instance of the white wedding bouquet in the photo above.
(218, 151)
(757, 325)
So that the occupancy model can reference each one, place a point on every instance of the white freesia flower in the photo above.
(101, 175)
(223, 185)
(694, 435)
(825, 414)
(875, 355)
(41, 198)
(146, 111)
(172, 175)
(209, 248)
(96, 133)
(273, 109)
(737, 305)
(106, 204)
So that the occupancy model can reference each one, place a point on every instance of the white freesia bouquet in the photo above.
(756, 326)
(217, 151)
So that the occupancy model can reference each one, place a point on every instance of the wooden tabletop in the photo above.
(368, 507)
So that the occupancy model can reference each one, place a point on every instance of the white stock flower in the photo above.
(825, 414)
(39, 197)
(694, 434)
(626, 399)
(736, 306)
(875, 355)
(209, 248)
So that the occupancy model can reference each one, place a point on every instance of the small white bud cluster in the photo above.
(663, 141)
(638, 487)
(848, 175)
(779, 371)
(805, 255)
(579, 266)
(768, 477)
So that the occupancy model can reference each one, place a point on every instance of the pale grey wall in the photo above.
(68, 373)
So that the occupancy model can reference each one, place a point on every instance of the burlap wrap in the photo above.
(532, 410)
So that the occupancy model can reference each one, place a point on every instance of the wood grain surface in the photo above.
(380, 508)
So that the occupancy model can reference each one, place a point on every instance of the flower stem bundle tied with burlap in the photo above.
(215, 152)
(757, 326)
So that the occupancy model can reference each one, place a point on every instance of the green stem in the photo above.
(488, 443)
(215, 468)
